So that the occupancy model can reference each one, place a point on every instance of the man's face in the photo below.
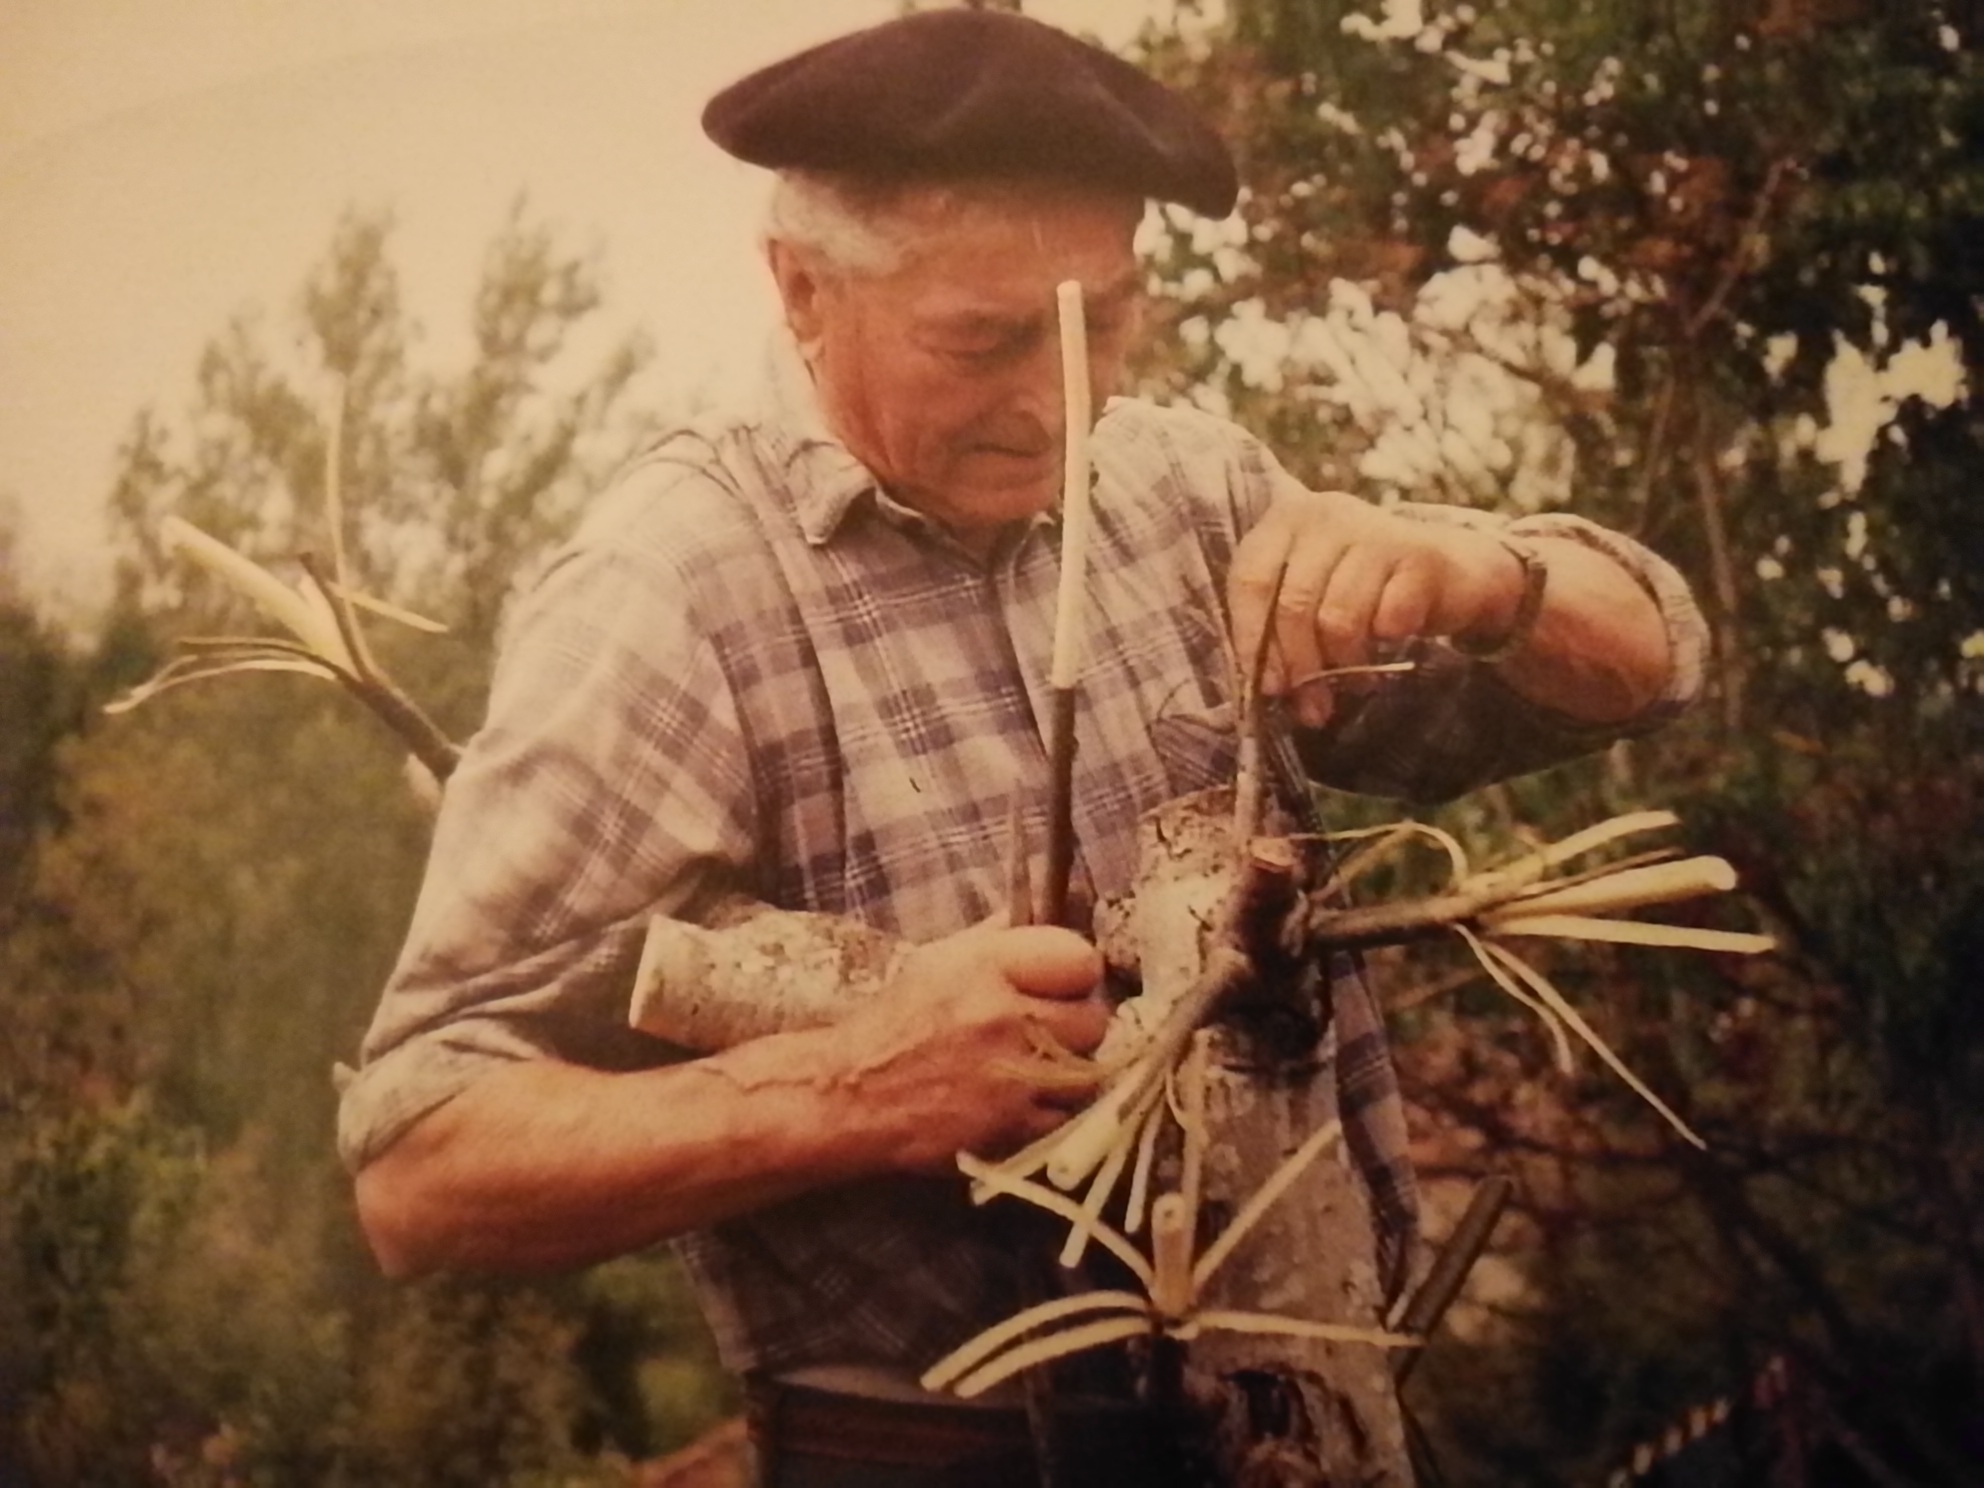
(944, 377)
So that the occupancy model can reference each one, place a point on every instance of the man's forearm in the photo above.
(1599, 651)
(543, 1166)
(1338, 580)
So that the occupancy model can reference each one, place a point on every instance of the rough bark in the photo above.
(1252, 1411)
(753, 970)
(1266, 1410)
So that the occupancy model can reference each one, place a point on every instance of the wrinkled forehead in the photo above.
(1028, 206)
(1008, 231)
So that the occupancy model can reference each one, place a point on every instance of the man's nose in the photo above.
(1037, 388)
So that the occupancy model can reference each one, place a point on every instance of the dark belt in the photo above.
(811, 1438)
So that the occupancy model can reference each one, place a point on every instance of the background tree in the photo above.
(208, 895)
(1706, 273)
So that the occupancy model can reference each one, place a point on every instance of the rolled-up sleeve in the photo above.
(609, 783)
(1452, 724)
(1680, 616)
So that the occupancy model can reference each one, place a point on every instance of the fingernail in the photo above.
(1314, 704)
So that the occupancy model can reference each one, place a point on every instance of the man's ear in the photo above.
(800, 286)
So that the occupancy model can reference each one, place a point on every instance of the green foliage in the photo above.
(1660, 243)
(249, 899)
(204, 896)
(186, 1321)
(36, 679)
(459, 1392)
(454, 480)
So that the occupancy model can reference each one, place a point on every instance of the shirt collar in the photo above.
(825, 480)
(823, 477)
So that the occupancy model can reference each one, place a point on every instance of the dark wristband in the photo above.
(1529, 608)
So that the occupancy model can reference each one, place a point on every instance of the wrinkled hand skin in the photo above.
(542, 1165)
(1357, 577)
(945, 1047)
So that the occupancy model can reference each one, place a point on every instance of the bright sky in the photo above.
(163, 167)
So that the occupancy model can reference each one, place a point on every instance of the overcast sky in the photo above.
(166, 165)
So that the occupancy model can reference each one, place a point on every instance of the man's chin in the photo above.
(1013, 503)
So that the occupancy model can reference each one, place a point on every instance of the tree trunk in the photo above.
(1293, 1411)
(1262, 1410)
(1250, 1410)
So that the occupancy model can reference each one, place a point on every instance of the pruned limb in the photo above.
(367, 681)
(751, 971)
(1421, 1313)
(714, 990)
(1262, 896)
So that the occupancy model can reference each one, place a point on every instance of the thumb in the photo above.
(1047, 961)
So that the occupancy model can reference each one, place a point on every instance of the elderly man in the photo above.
(800, 653)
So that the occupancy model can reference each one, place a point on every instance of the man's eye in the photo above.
(979, 350)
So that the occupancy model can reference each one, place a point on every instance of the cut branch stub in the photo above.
(1310, 1254)
(753, 970)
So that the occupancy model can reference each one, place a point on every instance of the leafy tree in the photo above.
(38, 680)
(221, 883)
(1649, 261)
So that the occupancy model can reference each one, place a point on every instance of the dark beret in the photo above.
(952, 93)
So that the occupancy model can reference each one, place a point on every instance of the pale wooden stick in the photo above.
(336, 588)
(1066, 663)
(1172, 1292)
(1074, 488)
(968, 1356)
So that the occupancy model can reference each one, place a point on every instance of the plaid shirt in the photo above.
(752, 671)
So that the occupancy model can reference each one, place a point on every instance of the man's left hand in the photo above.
(1358, 577)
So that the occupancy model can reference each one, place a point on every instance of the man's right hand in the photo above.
(542, 1164)
(941, 1055)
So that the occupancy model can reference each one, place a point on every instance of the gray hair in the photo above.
(860, 226)
(850, 224)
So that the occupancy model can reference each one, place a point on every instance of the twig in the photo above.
(1653, 453)
(1060, 806)
(372, 687)
(1429, 991)
(1066, 664)
(1729, 652)
(1249, 788)
(331, 587)
(1732, 269)
(337, 592)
